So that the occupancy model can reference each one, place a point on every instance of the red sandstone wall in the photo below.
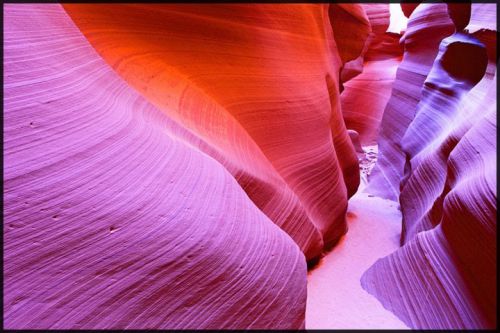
(170, 167)
(175, 166)
(286, 145)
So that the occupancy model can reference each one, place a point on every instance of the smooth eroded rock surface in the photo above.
(113, 217)
(182, 166)
(444, 275)
(427, 26)
(229, 82)
(365, 96)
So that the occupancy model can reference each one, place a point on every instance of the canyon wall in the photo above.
(113, 218)
(444, 275)
(171, 166)
(226, 75)
(365, 96)
(428, 25)
(177, 166)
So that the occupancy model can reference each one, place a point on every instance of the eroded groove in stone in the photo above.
(444, 275)
(365, 96)
(180, 166)
(226, 75)
(113, 219)
(427, 26)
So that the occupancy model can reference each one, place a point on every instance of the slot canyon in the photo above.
(250, 166)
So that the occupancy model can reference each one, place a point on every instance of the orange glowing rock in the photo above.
(258, 85)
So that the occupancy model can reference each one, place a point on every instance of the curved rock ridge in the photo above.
(114, 218)
(351, 29)
(483, 17)
(365, 96)
(383, 44)
(228, 83)
(427, 26)
(483, 26)
(444, 275)
(178, 166)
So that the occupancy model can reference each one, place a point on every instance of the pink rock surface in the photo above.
(177, 166)
(351, 29)
(483, 26)
(113, 218)
(444, 276)
(483, 16)
(427, 26)
(438, 114)
(365, 96)
(382, 44)
(291, 167)
(354, 136)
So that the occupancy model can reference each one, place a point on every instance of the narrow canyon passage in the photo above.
(181, 166)
(335, 298)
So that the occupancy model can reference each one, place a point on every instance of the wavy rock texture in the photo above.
(113, 216)
(483, 16)
(383, 44)
(351, 29)
(483, 26)
(460, 65)
(225, 74)
(427, 26)
(176, 165)
(365, 96)
(444, 276)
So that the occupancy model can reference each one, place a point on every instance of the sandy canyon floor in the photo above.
(335, 298)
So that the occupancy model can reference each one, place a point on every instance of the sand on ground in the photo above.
(335, 298)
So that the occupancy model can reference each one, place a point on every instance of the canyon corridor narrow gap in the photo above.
(250, 166)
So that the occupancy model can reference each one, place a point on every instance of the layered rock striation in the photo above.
(228, 83)
(365, 96)
(427, 26)
(177, 166)
(444, 275)
(166, 168)
(114, 218)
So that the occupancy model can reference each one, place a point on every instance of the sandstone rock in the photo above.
(365, 96)
(113, 217)
(444, 275)
(228, 83)
(427, 26)
(178, 166)
(355, 140)
(482, 17)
